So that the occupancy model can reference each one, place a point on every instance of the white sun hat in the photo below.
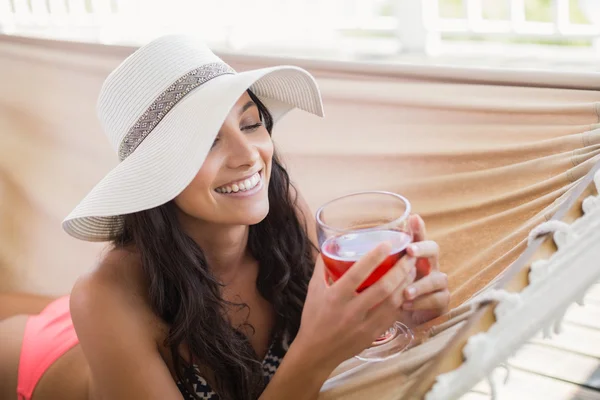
(161, 110)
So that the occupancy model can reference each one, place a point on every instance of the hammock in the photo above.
(484, 157)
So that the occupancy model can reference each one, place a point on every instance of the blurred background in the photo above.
(485, 113)
(560, 34)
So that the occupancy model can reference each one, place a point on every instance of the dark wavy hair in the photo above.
(185, 294)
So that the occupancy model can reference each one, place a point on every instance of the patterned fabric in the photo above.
(166, 101)
(270, 364)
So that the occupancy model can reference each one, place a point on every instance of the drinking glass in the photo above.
(349, 227)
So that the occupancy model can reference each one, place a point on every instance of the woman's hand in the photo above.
(428, 297)
(337, 322)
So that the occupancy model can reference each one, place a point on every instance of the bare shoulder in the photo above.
(119, 333)
(118, 273)
(116, 289)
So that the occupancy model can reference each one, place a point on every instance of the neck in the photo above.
(225, 247)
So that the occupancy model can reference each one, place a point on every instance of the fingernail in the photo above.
(411, 292)
(407, 305)
(413, 249)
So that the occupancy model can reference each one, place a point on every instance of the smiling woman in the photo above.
(231, 185)
(190, 296)
(212, 287)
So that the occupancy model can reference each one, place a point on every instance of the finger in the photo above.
(424, 249)
(433, 282)
(433, 301)
(384, 314)
(418, 228)
(361, 270)
(428, 253)
(420, 316)
(395, 280)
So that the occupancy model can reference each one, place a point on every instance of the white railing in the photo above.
(382, 26)
(515, 34)
(516, 26)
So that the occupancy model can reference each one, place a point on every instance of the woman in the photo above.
(212, 288)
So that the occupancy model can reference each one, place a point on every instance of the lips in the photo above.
(240, 186)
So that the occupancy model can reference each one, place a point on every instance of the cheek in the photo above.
(197, 194)
(203, 181)
(266, 151)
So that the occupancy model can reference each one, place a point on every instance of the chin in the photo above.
(256, 216)
(247, 215)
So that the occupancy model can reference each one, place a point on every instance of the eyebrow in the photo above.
(246, 106)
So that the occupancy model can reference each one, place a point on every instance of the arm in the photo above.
(312, 358)
(118, 334)
(299, 377)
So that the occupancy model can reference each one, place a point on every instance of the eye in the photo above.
(252, 128)
(214, 142)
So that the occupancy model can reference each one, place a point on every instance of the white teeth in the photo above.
(240, 186)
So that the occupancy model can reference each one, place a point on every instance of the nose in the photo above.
(241, 150)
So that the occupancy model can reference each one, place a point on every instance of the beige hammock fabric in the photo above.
(482, 164)
(483, 156)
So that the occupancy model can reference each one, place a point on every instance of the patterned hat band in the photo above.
(166, 101)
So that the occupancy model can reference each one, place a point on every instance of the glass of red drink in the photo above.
(349, 227)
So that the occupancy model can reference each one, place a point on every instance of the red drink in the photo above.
(340, 252)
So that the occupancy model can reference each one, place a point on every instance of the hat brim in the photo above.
(164, 164)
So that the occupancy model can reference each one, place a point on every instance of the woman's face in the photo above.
(231, 186)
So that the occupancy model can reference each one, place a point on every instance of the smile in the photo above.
(245, 185)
